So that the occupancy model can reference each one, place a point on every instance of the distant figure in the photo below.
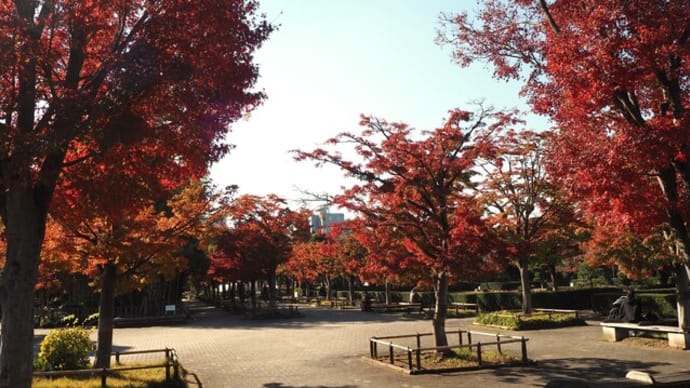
(264, 293)
(366, 302)
(631, 310)
(625, 309)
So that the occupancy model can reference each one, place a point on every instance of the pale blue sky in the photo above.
(331, 60)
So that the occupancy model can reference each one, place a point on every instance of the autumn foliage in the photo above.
(613, 78)
(145, 89)
(415, 196)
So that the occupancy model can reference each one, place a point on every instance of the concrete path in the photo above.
(327, 348)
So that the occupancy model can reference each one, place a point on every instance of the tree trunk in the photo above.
(553, 275)
(439, 320)
(272, 290)
(25, 229)
(526, 289)
(106, 314)
(252, 295)
(669, 185)
(349, 291)
(387, 292)
(683, 301)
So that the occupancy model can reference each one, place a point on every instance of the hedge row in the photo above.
(661, 302)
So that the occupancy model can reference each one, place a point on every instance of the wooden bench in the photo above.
(616, 331)
(339, 302)
(465, 306)
(407, 307)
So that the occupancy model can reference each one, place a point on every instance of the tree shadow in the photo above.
(281, 385)
(595, 372)
(309, 317)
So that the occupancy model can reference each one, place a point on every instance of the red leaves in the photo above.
(261, 238)
(612, 77)
(412, 192)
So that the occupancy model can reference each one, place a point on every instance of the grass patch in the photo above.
(538, 320)
(429, 314)
(648, 339)
(464, 358)
(142, 378)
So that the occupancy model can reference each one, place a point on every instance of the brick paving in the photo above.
(327, 348)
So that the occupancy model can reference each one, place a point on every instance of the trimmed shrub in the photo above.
(64, 349)
(535, 321)
(661, 304)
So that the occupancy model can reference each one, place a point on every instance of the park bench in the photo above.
(149, 321)
(616, 331)
(464, 306)
(406, 307)
(339, 302)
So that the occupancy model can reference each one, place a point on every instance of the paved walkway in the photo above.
(326, 349)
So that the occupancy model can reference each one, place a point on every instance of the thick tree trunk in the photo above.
(683, 300)
(25, 230)
(669, 185)
(439, 320)
(106, 314)
(526, 288)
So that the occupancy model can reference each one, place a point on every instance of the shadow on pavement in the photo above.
(211, 317)
(596, 372)
(281, 385)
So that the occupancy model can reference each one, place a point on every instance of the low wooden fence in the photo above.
(172, 368)
(414, 353)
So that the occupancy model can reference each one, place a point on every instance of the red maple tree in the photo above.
(81, 78)
(128, 248)
(417, 185)
(260, 238)
(525, 207)
(613, 77)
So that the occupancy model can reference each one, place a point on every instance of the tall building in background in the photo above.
(321, 222)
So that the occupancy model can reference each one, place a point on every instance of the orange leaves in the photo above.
(414, 190)
(260, 238)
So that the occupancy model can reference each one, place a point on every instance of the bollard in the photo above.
(469, 338)
(460, 337)
(409, 357)
(419, 341)
(498, 343)
(479, 353)
(376, 350)
(524, 350)
(390, 352)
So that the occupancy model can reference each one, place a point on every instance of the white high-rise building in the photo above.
(322, 221)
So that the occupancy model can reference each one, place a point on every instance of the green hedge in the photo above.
(599, 299)
(574, 299)
(533, 322)
(661, 304)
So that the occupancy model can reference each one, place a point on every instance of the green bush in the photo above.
(661, 304)
(517, 321)
(64, 349)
